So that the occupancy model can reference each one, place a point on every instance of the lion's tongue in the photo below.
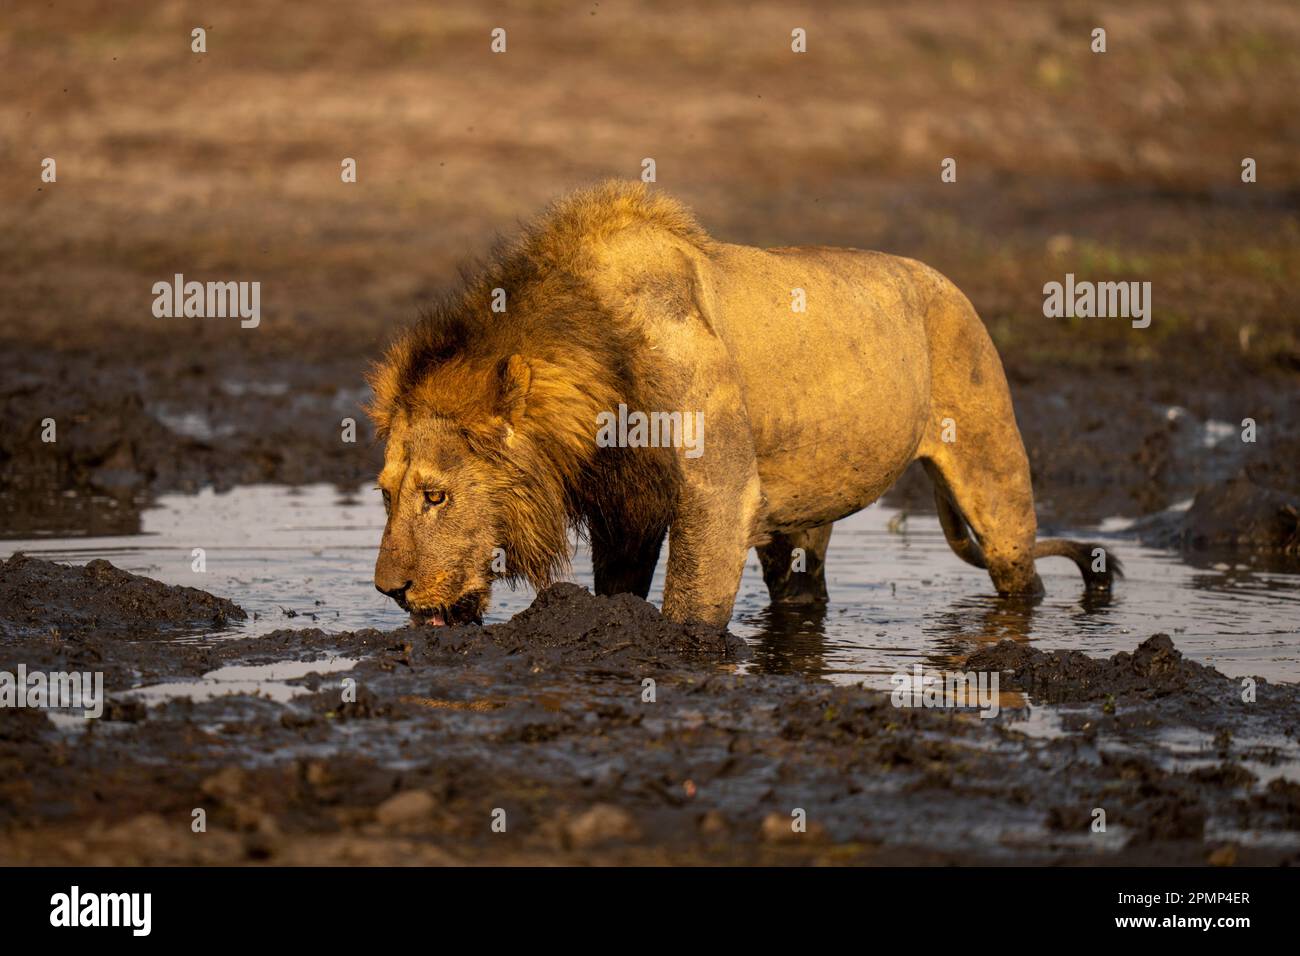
(435, 619)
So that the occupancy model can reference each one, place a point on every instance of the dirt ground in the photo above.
(225, 165)
(549, 719)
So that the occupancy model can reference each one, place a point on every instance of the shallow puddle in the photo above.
(303, 558)
(264, 680)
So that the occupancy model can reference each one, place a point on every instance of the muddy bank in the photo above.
(137, 630)
(594, 731)
(99, 618)
(100, 601)
(568, 625)
(1151, 690)
(128, 425)
(1154, 698)
(1236, 520)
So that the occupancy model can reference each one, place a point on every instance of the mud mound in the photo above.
(568, 625)
(1240, 514)
(1154, 688)
(1235, 520)
(1154, 669)
(37, 596)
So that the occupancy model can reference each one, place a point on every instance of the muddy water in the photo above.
(302, 557)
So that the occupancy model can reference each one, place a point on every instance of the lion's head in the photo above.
(470, 496)
(443, 528)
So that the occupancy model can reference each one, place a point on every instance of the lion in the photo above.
(816, 376)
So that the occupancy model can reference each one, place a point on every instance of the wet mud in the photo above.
(99, 601)
(589, 729)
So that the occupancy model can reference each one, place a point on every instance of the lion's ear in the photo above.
(514, 376)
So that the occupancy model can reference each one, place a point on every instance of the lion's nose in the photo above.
(397, 594)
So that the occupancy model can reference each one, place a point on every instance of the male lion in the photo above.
(492, 403)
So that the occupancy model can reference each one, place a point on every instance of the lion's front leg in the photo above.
(624, 559)
(707, 546)
(716, 495)
(718, 503)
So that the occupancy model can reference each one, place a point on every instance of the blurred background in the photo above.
(226, 166)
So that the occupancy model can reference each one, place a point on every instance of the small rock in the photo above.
(601, 824)
(125, 711)
(779, 828)
(316, 773)
(405, 807)
(1224, 856)
(714, 823)
(224, 785)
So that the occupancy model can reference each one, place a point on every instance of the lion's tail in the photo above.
(1083, 554)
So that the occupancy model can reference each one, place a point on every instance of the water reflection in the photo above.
(791, 639)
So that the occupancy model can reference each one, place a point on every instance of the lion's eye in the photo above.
(388, 499)
(433, 499)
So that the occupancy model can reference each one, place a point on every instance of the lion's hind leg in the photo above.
(972, 449)
(1001, 542)
(794, 565)
(996, 502)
